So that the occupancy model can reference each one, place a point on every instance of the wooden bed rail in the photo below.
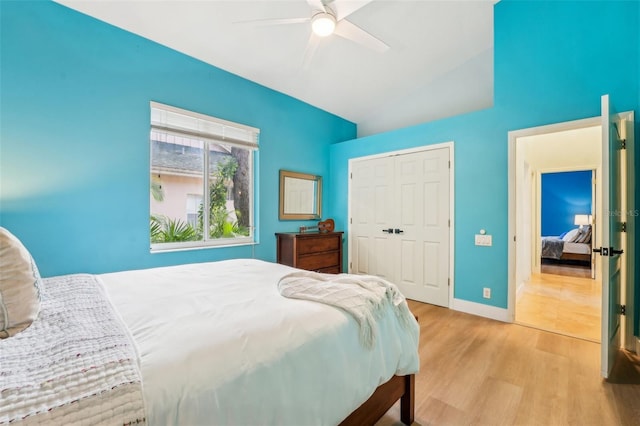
(398, 387)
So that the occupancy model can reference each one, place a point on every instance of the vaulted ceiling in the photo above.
(439, 62)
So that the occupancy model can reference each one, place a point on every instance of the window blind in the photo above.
(180, 122)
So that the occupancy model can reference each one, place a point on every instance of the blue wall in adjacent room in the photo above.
(564, 195)
(74, 175)
(553, 61)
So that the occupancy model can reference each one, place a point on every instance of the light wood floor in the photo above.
(477, 371)
(561, 304)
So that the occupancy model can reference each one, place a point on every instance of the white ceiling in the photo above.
(440, 61)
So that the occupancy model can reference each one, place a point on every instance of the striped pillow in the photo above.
(584, 236)
(20, 285)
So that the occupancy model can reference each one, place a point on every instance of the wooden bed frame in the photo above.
(570, 257)
(576, 256)
(385, 396)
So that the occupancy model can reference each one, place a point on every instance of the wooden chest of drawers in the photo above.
(321, 252)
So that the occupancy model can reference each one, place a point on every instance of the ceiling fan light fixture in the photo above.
(323, 24)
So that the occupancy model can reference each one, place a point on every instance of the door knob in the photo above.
(398, 231)
(614, 251)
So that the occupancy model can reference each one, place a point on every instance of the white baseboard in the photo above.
(487, 311)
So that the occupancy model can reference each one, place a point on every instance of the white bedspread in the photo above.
(75, 365)
(220, 346)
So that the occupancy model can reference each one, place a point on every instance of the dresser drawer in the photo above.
(321, 252)
(332, 270)
(318, 245)
(314, 262)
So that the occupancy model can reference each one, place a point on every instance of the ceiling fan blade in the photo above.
(284, 21)
(316, 5)
(344, 8)
(346, 29)
(310, 50)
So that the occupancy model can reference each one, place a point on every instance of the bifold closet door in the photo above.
(372, 208)
(400, 222)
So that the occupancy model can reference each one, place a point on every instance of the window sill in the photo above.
(175, 247)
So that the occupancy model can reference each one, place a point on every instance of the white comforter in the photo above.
(219, 345)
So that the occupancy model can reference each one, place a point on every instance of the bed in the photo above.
(209, 343)
(573, 245)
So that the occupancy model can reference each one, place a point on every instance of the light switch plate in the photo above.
(483, 240)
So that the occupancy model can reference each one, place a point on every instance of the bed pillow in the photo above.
(20, 285)
(571, 235)
(584, 236)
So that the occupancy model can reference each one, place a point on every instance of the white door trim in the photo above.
(449, 145)
(595, 208)
(513, 136)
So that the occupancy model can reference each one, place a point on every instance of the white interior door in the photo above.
(422, 180)
(400, 222)
(612, 250)
(372, 200)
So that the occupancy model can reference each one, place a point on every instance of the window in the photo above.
(194, 201)
(201, 190)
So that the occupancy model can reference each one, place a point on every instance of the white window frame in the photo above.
(179, 122)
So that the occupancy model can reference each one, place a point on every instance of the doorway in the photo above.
(566, 216)
(613, 233)
(546, 298)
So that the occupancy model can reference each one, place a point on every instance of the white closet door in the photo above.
(422, 180)
(410, 194)
(372, 210)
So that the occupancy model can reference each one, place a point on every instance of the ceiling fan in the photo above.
(328, 17)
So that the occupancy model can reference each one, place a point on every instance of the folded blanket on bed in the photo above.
(75, 364)
(362, 296)
(552, 247)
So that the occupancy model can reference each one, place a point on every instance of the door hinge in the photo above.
(623, 309)
(449, 163)
(623, 226)
(351, 220)
(350, 175)
(449, 223)
(448, 282)
(623, 144)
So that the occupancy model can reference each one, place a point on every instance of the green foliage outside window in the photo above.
(165, 230)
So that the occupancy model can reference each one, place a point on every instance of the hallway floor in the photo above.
(561, 304)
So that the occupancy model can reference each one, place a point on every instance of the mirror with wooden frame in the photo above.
(300, 196)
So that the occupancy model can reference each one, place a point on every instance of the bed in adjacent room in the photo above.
(573, 245)
(208, 343)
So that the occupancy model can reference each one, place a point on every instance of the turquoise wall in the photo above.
(553, 60)
(74, 113)
(74, 153)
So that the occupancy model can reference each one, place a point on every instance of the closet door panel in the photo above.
(372, 202)
(410, 201)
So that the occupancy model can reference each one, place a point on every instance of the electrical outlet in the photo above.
(483, 240)
(486, 293)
